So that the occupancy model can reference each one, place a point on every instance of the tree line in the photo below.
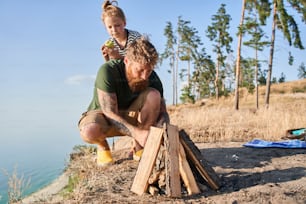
(208, 77)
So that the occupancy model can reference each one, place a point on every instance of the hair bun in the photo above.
(108, 3)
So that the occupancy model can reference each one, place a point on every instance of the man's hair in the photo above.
(142, 51)
(110, 9)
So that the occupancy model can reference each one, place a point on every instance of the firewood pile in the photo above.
(171, 164)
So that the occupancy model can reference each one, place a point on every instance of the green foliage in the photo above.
(169, 52)
(252, 27)
(183, 47)
(274, 80)
(300, 7)
(282, 78)
(73, 181)
(302, 71)
(287, 24)
(218, 33)
(290, 59)
(262, 77)
(225, 92)
(185, 58)
(247, 74)
(203, 74)
(186, 96)
(263, 9)
(180, 46)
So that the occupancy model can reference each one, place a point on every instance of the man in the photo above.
(127, 100)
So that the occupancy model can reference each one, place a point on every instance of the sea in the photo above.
(35, 152)
(36, 158)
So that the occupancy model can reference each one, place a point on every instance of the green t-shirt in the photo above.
(111, 78)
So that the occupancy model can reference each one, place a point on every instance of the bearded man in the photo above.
(127, 100)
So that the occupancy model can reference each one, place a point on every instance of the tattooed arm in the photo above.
(109, 107)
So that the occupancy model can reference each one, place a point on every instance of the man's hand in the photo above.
(109, 107)
(140, 136)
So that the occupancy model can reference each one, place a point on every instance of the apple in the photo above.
(109, 44)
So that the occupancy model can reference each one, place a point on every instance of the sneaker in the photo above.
(104, 157)
(137, 155)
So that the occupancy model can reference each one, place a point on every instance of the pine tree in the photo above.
(218, 33)
(287, 24)
(169, 52)
(253, 28)
(240, 33)
(181, 46)
(302, 71)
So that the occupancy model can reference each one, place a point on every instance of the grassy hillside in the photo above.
(211, 120)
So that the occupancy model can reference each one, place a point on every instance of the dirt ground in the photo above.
(248, 175)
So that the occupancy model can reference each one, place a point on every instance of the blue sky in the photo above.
(50, 53)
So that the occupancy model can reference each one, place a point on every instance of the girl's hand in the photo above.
(105, 51)
(110, 53)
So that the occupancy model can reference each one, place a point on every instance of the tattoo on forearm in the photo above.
(121, 127)
(109, 103)
(109, 107)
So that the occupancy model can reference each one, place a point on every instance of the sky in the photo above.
(50, 53)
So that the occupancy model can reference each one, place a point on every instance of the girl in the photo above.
(114, 20)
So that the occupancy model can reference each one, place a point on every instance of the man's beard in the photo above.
(138, 85)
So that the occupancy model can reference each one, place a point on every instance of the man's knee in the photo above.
(153, 95)
(91, 133)
(93, 126)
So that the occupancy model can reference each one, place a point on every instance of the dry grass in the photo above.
(17, 185)
(102, 184)
(214, 121)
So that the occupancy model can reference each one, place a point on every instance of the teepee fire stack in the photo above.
(170, 156)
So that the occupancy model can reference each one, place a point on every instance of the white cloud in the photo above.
(79, 79)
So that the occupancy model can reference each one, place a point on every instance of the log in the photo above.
(195, 157)
(171, 141)
(146, 164)
(159, 165)
(186, 173)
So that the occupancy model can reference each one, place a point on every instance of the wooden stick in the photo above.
(194, 156)
(146, 164)
(186, 173)
(173, 183)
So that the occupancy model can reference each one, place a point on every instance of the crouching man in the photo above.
(127, 100)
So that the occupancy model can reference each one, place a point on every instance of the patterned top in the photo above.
(131, 37)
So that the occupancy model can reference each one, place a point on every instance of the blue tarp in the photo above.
(298, 131)
(257, 143)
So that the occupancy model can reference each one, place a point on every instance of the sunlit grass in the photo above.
(215, 121)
